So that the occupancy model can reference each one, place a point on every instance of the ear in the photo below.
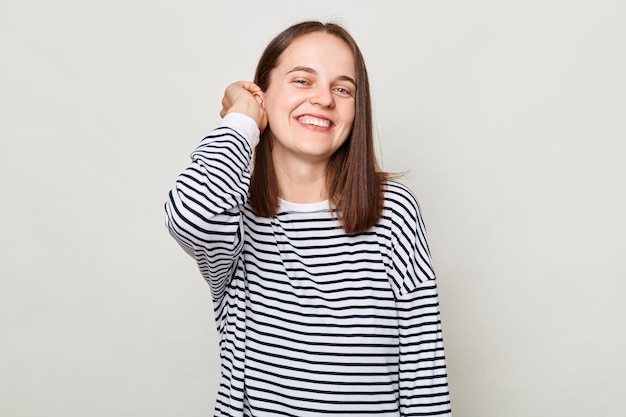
(260, 98)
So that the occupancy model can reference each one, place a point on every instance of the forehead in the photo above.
(321, 51)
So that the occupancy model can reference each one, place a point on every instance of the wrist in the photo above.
(249, 109)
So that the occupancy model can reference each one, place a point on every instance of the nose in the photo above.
(323, 96)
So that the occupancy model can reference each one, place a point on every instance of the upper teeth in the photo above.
(314, 121)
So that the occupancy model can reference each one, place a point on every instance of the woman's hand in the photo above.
(247, 98)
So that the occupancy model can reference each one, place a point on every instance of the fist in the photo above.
(247, 98)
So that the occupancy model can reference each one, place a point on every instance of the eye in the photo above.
(301, 82)
(344, 91)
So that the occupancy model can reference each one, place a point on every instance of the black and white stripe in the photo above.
(311, 321)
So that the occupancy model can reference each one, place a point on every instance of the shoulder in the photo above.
(400, 200)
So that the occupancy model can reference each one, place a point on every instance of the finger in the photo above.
(250, 86)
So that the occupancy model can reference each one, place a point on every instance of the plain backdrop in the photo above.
(509, 117)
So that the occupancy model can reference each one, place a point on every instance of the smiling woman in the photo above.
(324, 293)
(310, 111)
(353, 182)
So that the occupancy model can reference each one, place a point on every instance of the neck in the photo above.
(299, 183)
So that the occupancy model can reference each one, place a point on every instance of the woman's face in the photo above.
(310, 98)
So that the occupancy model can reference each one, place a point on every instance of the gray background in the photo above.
(508, 115)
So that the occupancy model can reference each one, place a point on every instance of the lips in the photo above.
(314, 121)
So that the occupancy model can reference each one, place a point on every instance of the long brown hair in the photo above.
(354, 181)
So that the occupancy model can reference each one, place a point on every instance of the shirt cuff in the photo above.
(244, 125)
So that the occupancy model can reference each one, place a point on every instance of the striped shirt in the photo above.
(311, 321)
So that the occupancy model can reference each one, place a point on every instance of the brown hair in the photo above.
(354, 180)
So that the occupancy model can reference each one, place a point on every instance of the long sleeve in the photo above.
(422, 367)
(203, 211)
(423, 377)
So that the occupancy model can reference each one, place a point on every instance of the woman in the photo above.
(324, 295)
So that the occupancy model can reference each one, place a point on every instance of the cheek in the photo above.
(349, 114)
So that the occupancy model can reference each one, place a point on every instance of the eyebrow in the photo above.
(312, 71)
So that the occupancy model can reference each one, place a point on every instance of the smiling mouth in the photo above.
(314, 121)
